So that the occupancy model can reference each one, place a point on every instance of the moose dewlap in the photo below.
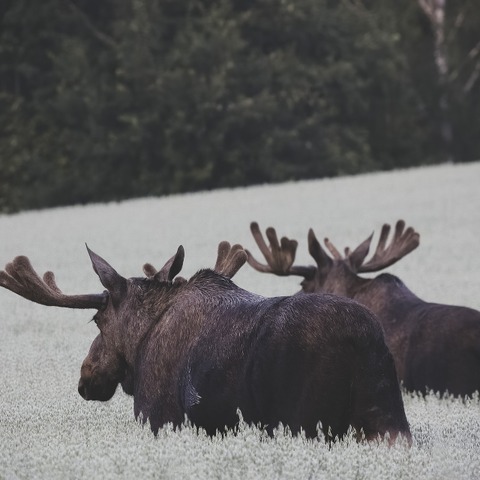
(203, 348)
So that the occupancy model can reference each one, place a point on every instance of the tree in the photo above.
(458, 70)
(105, 101)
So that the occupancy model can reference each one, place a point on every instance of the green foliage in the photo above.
(140, 97)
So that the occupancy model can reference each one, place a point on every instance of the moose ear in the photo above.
(317, 252)
(109, 277)
(172, 268)
(357, 257)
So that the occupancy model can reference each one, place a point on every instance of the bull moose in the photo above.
(435, 347)
(202, 349)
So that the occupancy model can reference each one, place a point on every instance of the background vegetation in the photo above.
(108, 100)
(47, 431)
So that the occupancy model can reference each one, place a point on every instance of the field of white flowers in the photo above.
(48, 431)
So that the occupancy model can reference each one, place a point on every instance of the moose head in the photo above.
(103, 368)
(121, 322)
(335, 274)
(106, 364)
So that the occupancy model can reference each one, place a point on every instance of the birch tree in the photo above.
(456, 76)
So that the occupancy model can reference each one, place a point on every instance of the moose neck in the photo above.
(162, 307)
(344, 282)
(181, 317)
(146, 306)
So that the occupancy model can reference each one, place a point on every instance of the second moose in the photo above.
(435, 346)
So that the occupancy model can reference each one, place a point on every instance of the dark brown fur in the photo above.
(205, 348)
(202, 349)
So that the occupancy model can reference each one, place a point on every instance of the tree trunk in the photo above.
(435, 11)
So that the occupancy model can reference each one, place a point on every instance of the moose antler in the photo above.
(279, 255)
(20, 278)
(229, 259)
(402, 243)
(169, 270)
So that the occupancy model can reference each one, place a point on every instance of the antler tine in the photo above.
(402, 243)
(49, 279)
(332, 249)
(229, 259)
(279, 255)
(169, 272)
(20, 278)
(382, 241)
(149, 270)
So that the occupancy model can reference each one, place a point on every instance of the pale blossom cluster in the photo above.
(48, 431)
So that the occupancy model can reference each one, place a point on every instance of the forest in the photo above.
(103, 101)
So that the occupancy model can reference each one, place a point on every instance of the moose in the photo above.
(204, 349)
(435, 347)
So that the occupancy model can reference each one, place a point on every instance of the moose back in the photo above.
(204, 348)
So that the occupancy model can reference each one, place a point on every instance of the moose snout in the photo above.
(92, 388)
(85, 382)
(96, 384)
(83, 389)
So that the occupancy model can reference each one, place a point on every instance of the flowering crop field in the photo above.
(48, 431)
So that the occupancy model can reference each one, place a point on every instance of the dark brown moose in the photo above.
(203, 348)
(435, 346)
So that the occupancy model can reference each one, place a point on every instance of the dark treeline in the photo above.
(104, 100)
